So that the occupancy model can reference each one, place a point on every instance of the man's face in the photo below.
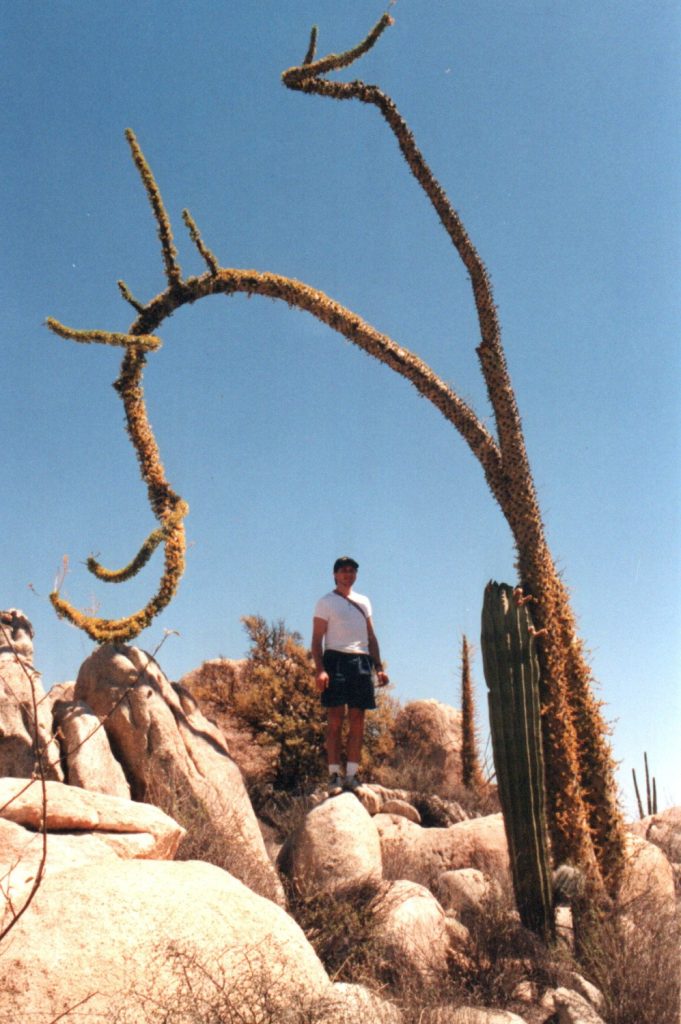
(345, 575)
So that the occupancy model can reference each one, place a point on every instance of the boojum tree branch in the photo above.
(580, 771)
(587, 824)
(140, 339)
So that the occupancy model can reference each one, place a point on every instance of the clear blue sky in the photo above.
(554, 129)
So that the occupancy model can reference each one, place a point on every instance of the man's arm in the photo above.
(318, 634)
(375, 653)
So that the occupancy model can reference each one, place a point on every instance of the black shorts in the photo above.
(350, 681)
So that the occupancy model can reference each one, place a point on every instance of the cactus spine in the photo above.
(512, 676)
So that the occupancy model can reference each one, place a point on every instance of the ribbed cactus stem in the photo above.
(512, 676)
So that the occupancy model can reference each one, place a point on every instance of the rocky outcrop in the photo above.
(16, 635)
(463, 891)
(86, 751)
(356, 1004)
(469, 1015)
(664, 830)
(648, 876)
(24, 715)
(215, 685)
(22, 855)
(70, 809)
(428, 738)
(424, 854)
(573, 1008)
(80, 828)
(174, 757)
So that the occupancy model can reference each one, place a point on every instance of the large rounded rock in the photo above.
(463, 891)
(22, 854)
(138, 939)
(356, 1004)
(336, 845)
(469, 1015)
(428, 735)
(424, 854)
(411, 929)
(174, 757)
(648, 876)
(664, 830)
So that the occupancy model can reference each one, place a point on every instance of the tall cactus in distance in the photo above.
(470, 763)
(512, 674)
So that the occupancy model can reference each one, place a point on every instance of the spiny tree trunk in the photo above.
(586, 823)
(470, 764)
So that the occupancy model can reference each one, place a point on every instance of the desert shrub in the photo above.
(204, 992)
(202, 842)
(341, 926)
(501, 954)
(282, 810)
(634, 957)
(424, 781)
(276, 699)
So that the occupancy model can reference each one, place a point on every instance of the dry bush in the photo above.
(501, 954)
(341, 927)
(282, 810)
(634, 958)
(251, 992)
(424, 780)
(202, 842)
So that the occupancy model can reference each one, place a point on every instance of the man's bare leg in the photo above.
(356, 733)
(334, 726)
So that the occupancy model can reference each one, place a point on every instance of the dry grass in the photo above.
(202, 842)
(341, 927)
(634, 958)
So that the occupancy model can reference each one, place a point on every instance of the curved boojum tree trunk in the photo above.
(585, 820)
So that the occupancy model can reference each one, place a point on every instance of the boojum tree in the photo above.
(471, 776)
(586, 823)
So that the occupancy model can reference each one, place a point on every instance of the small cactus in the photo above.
(512, 675)
(651, 793)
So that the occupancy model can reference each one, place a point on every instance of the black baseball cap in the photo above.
(343, 561)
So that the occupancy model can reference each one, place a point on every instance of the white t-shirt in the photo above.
(346, 628)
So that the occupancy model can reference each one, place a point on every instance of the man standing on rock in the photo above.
(345, 652)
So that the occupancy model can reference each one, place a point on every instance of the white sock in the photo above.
(351, 769)
(334, 769)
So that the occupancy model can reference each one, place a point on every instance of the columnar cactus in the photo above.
(512, 675)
